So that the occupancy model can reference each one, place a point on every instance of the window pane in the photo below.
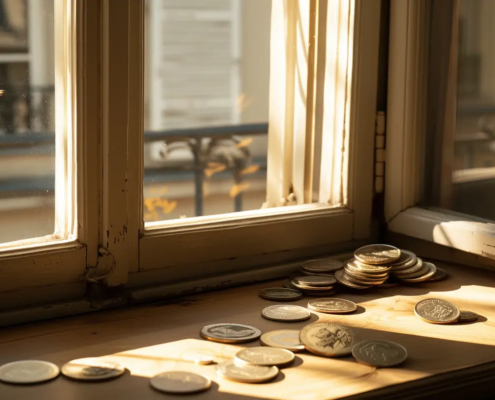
(460, 154)
(26, 119)
(206, 104)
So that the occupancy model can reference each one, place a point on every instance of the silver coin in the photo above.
(92, 369)
(314, 280)
(379, 353)
(377, 254)
(332, 306)
(264, 356)
(280, 294)
(342, 279)
(28, 372)
(286, 313)
(437, 311)
(180, 382)
(328, 340)
(467, 316)
(230, 333)
(283, 339)
(246, 373)
(322, 266)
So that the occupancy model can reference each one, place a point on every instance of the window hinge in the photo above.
(380, 152)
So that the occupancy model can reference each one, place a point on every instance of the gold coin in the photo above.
(440, 275)
(283, 339)
(379, 353)
(92, 369)
(180, 382)
(286, 313)
(407, 259)
(230, 333)
(411, 270)
(246, 373)
(332, 306)
(425, 277)
(342, 279)
(437, 311)
(314, 280)
(306, 288)
(322, 266)
(328, 340)
(377, 254)
(468, 316)
(354, 265)
(367, 277)
(360, 281)
(280, 294)
(28, 372)
(265, 356)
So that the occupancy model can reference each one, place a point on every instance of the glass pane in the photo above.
(206, 104)
(27, 119)
(460, 155)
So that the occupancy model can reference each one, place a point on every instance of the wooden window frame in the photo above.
(406, 123)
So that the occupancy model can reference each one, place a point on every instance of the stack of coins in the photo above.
(411, 269)
(314, 285)
(322, 266)
(370, 266)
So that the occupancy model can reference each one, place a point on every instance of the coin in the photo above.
(342, 279)
(406, 259)
(315, 280)
(305, 288)
(424, 277)
(467, 316)
(287, 284)
(246, 373)
(440, 275)
(377, 254)
(198, 358)
(230, 333)
(366, 276)
(264, 356)
(354, 265)
(328, 340)
(322, 266)
(332, 306)
(29, 371)
(379, 353)
(424, 270)
(411, 270)
(92, 369)
(361, 281)
(437, 311)
(280, 294)
(180, 382)
(286, 313)
(283, 339)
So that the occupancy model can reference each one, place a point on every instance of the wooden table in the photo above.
(154, 338)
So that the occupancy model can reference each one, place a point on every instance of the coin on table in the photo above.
(315, 280)
(283, 339)
(425, 277)
(304, 288)
(28, 372)
(407, 259)
(354, 265)
(379, 353)
(246, 373)
(286, 313)
(411, 270)
(180, 382)
(439, 275)
(230, 333)
(342, 279)
(365, 276)
(92, 369)
(377, 254)
(264, 356)
(322, 266)
(437, 311)
(328, 340)
(361, 281)
(332, 306)
(280, 294)
(467, 316)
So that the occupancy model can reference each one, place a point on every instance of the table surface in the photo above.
(155, 338)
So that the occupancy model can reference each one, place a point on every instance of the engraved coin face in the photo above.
(28, 372)
(439, 275)
(314, 280)
(468, 316)
(280, 294)
(246, 373)
(425, 277)
(283, 339)
(377, 254)
(379, 353)
(180, 382)
(92, 369)
(356, 266)
(328, 340)
(264, 356)
(342, 279)
(332, 306)
(322, 266)
(230, 333)
(286, 313)
(437, 311)
(407, 259)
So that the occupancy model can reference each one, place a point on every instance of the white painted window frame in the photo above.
(406, 115)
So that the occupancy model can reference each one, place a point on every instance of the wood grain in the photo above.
(154, 338)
